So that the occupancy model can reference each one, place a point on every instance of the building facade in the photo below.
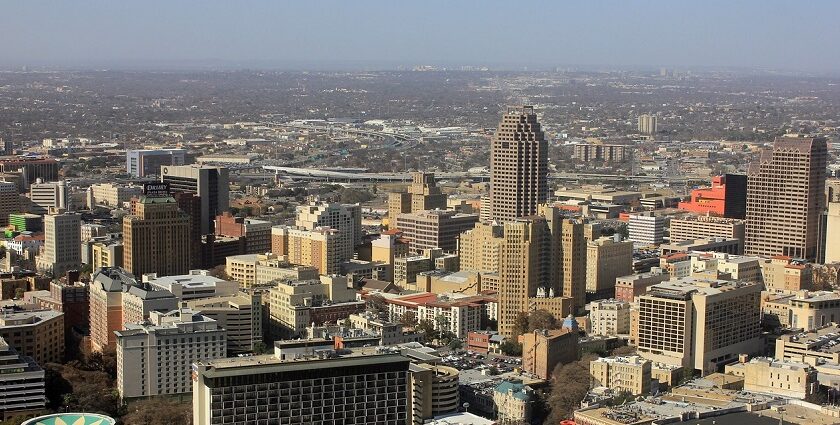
(785, 198)
(157, 238)
(518, 165)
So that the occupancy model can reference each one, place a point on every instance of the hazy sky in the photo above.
(800, 34)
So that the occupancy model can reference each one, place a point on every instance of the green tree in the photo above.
(455, 344)
(428, 328)
(409, 319)
(511, 348)
(520, 323)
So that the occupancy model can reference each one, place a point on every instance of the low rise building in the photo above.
(514, 402)
(803, 310)
(252, 270)
(728, 246)
(816, 346)
(631, 286)
(434, 391)
(543, 350)
(706, 227)
(458, 314)
(778, 377)
(406, 269)
(630, 374)
(292, 306)
(155, 358)
(786, 275)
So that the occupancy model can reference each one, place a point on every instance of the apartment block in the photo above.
(156, 358)
(239, 315)
(292, 306)
(699, 323)
(321, 247)
(117, 299)
(344, 218)
(423, 194)
(782, 274)
(647, 229)
(62, 243)
(631, 374)
(431, 229)
(252, 270)
(610, 317)
(453, 313)
(706, 227)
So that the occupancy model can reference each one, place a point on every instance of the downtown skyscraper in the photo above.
(785, 197)
(518, 165)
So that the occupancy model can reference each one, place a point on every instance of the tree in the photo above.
(260, 348)
(409, 319)
(19, 293)
(376, 303)
(625, 350)
(541, 319)
(455, 344)
(428, 328)
(219, 272)
(520, 323)
(569, 385)
(158, 411)
(511, 348)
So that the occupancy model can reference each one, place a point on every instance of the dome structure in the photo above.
(71, 419)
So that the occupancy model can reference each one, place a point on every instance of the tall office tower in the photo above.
(574, 261)
(429, 229)
(44, 196)
(518, 165)
(62, 243)
(209, 183)
(606, 259)
(157, 238)
(30, 169)
(519, 269)
(699, 323)
(147, 162)
(647, 124)
(9, 201)
(785, 198)
(346, 218)
(360, 387)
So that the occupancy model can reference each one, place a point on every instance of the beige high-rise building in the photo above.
(574, 261)
(429, 229)
(786, 197)
(606, 259)
(479, 249)
(157, 238)
(62, 243)
(832, 233)
(322, 247)
(698, 323)
(647, 124)
(519, 270)
(156, 358)
(782, 274)
(239, 315)
(345, 218)
(288, 303)
(518, 165)
(423, 194)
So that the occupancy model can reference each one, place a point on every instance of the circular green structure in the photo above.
(71, 419)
